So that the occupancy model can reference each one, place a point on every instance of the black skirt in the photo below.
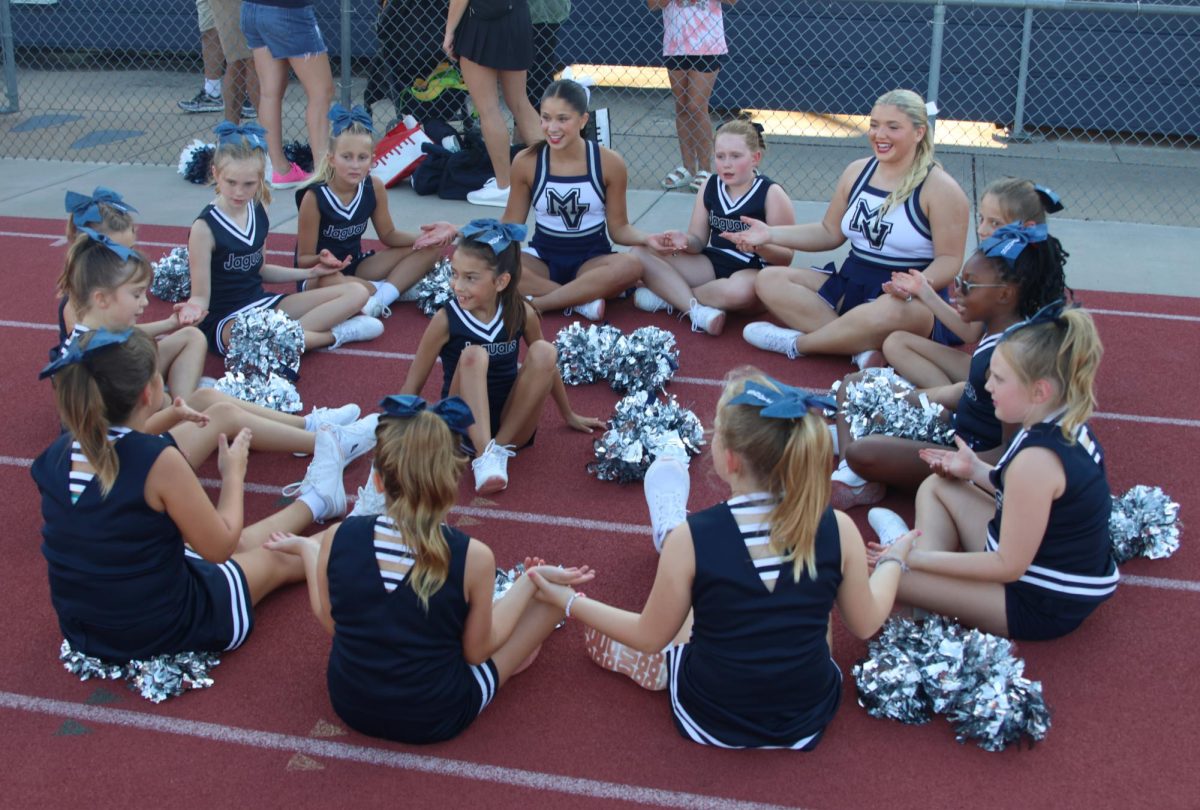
(504, 43)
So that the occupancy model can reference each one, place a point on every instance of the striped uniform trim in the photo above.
(344, 210)
(79, 330)
(487, 678)
(987, 342)
(1062, 582)
(900, 262)
(79, 479)
(247, 235)
(490, 331)
(239, 600)
(261, 303)
(542, 178)
(394, 558)
(757, 533)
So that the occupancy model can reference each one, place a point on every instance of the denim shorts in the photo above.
(289, 33)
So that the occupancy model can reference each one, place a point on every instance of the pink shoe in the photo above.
(294, 177)
(647, 671)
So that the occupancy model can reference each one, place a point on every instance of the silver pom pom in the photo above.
(433, 291)
(638, 431)
(584, 353)
(877, 403)
(272, 392)
(1144, 523)
(265, 341)
(172, 277)
(156, 678)
(644, 361)
(506, 579)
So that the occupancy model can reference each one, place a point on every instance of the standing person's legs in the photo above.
(226, 16)
(210, 47)
(512, 85)
(697, 124)
(679, 89)
(317, 80)
(272, 84)
(481, 84)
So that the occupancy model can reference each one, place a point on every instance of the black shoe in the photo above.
(202, 103)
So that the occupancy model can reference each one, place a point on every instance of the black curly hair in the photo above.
(1039, 272)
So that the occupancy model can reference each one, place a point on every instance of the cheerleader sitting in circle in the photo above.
(700, 272)
(477, 336)
(226, 255)
(1021, 549)
(335, 207)
(140, 561)
(744, 589)
(419, 648)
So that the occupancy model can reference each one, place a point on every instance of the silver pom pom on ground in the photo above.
(637, 433)
(156, 679)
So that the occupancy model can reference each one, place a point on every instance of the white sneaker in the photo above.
(592, 310)
(491, 468)
(666, 487)
(647, 300)
(323, 480)
(706, 319)
(331, 416)
(370, 500)
(491, 194)
(374, 308)
(360, 327)
(887, 524)
(871, 358)
(833, 434)
(358, 438)
(772, 338)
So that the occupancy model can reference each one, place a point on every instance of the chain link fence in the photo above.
(1100, 100)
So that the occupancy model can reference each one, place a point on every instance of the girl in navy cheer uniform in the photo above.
(119, 504)
(419, 650)
(744, 589)
(1022, 549)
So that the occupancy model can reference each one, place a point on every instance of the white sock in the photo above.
(385, 293)
(833, 428)
(308, 425)
(315, 503)
(213, 87)
(848, 476)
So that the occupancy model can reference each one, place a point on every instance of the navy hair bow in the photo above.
(122, 252)
(343, 118)
(1051, 313)
(84, 209)
(76, 353)
(493, 233)
(229, 132)
(1008, 241)
(1050, 200)
(782, 402)
(452, 410)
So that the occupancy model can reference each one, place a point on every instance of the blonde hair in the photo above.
(791, 458)
(419, 465)
(100, 391)
(242, 149)
(92, 266)
(1018, 200)
(740, 126)
(913, 106)
(1066, 352)
(324, 170)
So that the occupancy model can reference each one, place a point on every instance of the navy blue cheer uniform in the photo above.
(757, 672)
(467, 330)
(1073, 570)
(342, 224)
(397, 670)
(235, 271)
(121, 580)
(569, 216)
(975, 417)
(724, 215)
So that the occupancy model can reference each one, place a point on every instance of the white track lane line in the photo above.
(57, 239)
(549, 783)
(607, 526)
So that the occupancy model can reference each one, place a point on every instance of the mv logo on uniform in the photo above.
(869, 222)
(566, 206)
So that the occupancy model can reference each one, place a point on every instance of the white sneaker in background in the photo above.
(772, 338)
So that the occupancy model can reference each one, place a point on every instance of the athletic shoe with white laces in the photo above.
(491, 468)
(592, 310)
(772, 338)
(647, 300)
(648, 670)
(344, 415)
(666, 486)
(357, 438)
(202, 102)
(322, 488)
(360, 327)
(850, 489)
(491, 194)
(706, 319)
(887, 524)
(374, 308)
(370, 500)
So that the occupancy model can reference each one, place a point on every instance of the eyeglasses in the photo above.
(965, 287)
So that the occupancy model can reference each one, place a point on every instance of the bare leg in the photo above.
(953, 514)
(204, 398)
(730, 294)
(536, 623)
(320, 310)
(512, 85)
(197, 443)
(864, 327)
(272, 82)
(924, 362)
(211, 54)
(889, 460)
(240, 82)
(790, 294)
(674, 278)
(181, 360)
(696, 118)
(678, 80)
(317, 80)
(267, 570)
(599, 277)
(481, 84)
(470, 383)
(400, 267)
(524, 406)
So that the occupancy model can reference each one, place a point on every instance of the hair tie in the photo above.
(783, 402)
(228, 132)
(493, 233)
(1050, 200)
(75, 353)
(1051, 313)
(84, 209)
(1007, 241)
(452, 410)
(342, 119)
(122, 252)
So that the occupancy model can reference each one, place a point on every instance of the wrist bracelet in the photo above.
(887, 559)
(571, 601)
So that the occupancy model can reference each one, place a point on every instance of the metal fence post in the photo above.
(347, 81)
(935, 57)
(1018, 132)
(10, 59)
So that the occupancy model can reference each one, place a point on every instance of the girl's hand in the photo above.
(958, 463)
(557, 575)
(189, 313)
(289, 543)
(584, 424)
(327, 259)
(448, 46)
(550, 592)
(757, 234)
(907, 285)
(319, 270)
(900, 549)
(232, 457)
(435, 234)
(172, 322)
(186, 413)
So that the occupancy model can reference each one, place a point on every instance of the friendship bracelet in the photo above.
(885, 559)
(575, 595)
